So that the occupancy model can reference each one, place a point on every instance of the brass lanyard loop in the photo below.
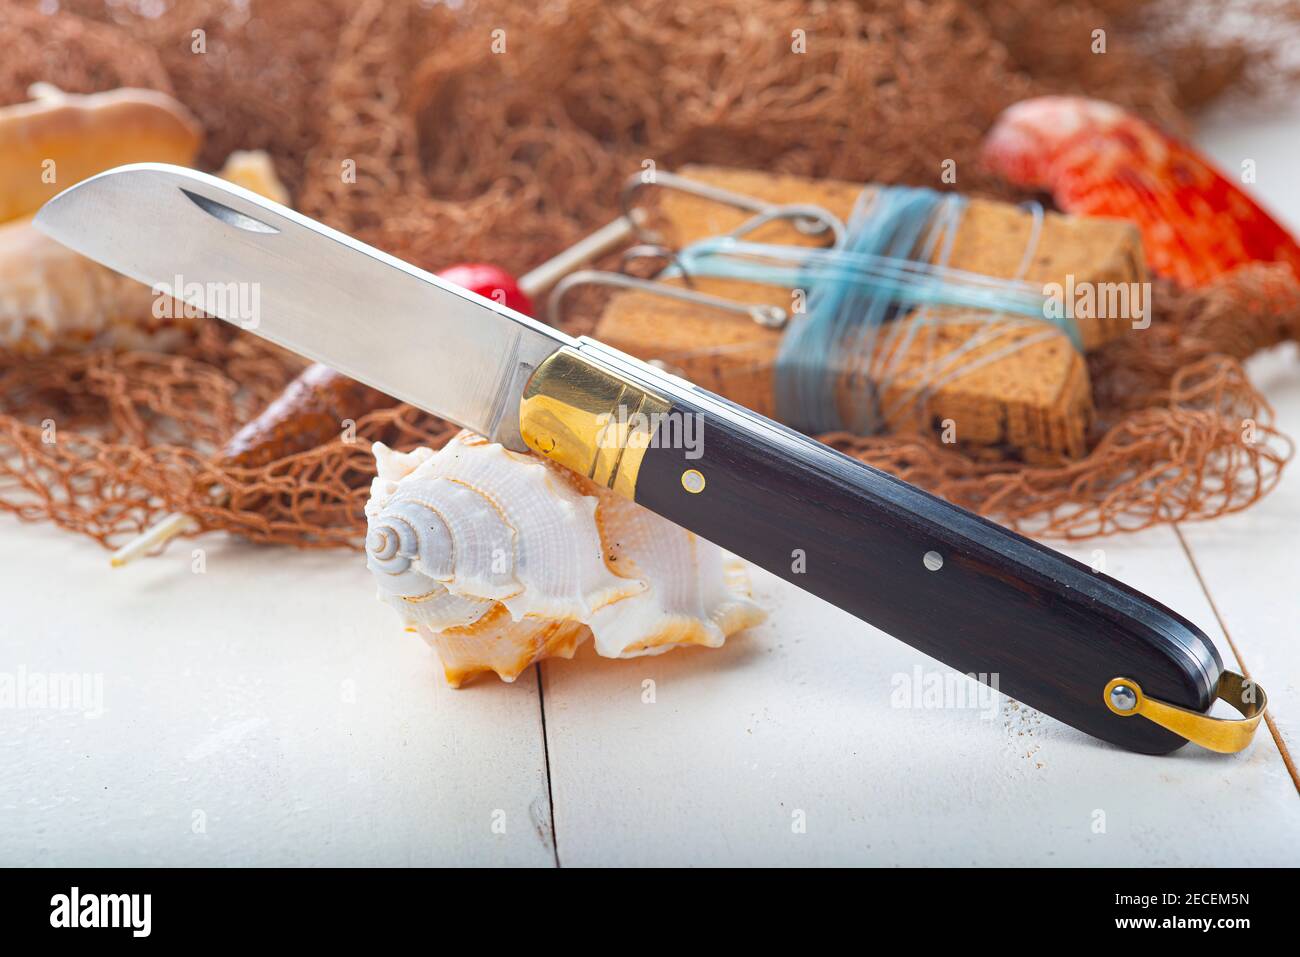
(1226, 735)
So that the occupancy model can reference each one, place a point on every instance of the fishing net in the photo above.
(492, 131)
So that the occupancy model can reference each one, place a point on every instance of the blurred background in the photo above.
(497, 132)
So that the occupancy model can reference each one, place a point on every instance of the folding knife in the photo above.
(1058, 636)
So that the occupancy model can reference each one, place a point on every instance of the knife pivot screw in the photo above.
(1123, 698)
(933, 561)
(693, 481)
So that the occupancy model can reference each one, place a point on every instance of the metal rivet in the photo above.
(693, 481)
(1123, 698)
(933, 561)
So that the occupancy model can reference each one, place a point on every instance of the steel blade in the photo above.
(309, 288)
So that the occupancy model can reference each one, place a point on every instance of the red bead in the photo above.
(491, 282)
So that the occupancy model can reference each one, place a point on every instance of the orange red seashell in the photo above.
(1098, 160)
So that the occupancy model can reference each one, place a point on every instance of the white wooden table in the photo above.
(271, 711)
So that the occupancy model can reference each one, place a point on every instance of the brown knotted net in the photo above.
(464, 151)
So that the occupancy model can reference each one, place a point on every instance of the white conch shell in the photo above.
(500, 559)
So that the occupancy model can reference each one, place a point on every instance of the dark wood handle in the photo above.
(1052, 630)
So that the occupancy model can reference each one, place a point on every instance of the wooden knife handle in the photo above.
(976, 596)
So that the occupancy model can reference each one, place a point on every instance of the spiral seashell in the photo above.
(500, 559)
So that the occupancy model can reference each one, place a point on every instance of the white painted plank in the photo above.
(1249, 563)
(796, 716)
(272, 697)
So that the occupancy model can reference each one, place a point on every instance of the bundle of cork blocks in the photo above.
(1009, 390)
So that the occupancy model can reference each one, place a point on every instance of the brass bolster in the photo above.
(587, 418)
(1225, 735)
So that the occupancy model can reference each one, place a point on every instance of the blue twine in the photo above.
(887, 267)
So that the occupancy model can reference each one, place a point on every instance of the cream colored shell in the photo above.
(500, 559)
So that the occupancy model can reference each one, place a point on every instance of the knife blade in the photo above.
(318, 292)
(1042, 628)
